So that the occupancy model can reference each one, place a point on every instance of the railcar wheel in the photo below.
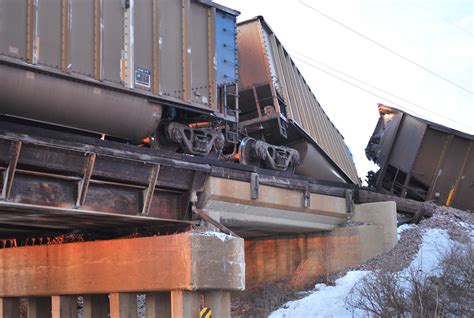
(246, 150)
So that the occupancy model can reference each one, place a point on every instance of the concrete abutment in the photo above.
(302, 258)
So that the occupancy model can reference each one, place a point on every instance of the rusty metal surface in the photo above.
(49, 187)
(50, 180)
(44, 218)
(422, 160)
(252, 65)
(268, 76)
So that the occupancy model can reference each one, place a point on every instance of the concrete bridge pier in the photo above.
(173, 276)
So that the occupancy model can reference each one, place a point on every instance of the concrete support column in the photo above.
(383, 214)
(218, 302)
(184, 304)
(63, 306)
(187, 261)
(123, 305)
(39, 307)
(158, 305)
(96, 306)
(9, 307)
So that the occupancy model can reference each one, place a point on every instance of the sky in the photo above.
(436, 34)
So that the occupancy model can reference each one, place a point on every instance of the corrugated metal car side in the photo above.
(423, 160)
(264, 61)
(464, 186)
(168, 48)
(304, 108)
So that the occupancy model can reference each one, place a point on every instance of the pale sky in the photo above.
(437, 34)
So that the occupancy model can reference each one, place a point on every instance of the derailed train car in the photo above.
(422, 160)
(158, 73)
(122, 68)
(278, 105)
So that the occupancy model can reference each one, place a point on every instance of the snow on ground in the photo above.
(403, 228)
(325, 301)
(329, 301)
(435, 243)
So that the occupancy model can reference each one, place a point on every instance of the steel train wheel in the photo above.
(245, 151)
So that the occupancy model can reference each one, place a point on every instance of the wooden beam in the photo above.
(63, 306)
(218, 302)
(123, 305)
(184, 304)
(403, 205)
(38, 307)
(96, 306)
(9, 307)
(158, 305)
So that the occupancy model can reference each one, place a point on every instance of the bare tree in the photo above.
(448, 291)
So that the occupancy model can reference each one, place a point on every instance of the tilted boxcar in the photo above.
(274, 94)
(422, 160)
